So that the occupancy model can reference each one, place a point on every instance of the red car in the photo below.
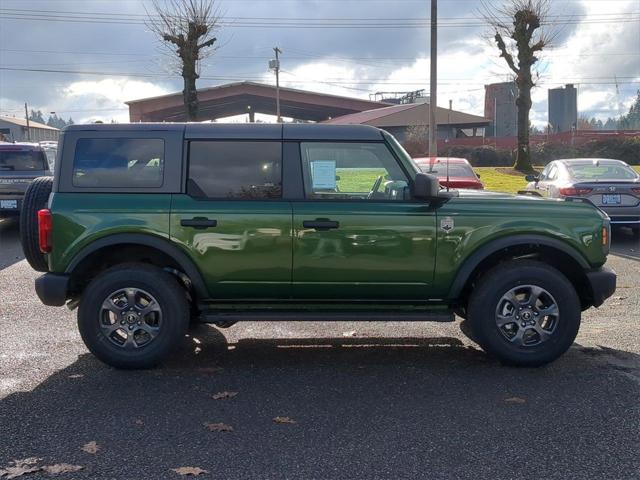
(461, 175)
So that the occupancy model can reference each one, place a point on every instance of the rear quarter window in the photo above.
(118, 163)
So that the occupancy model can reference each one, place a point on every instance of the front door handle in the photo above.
(199, 223)
(321, 224)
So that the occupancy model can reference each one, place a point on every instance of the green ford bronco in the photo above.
(148, 227)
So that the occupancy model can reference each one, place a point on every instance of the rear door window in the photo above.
(119, 163)
(235, 170)
(22, 160)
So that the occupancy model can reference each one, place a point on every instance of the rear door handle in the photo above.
(321, 224)
(199, 223)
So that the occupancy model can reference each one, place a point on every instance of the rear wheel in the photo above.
(35, 198)
(132, 316)
(525, 313)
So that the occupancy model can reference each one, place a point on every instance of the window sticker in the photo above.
(323, 174)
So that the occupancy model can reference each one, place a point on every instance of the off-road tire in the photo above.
(35, 198)
(485, 299)
(165, 289)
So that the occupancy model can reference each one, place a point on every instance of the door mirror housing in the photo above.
(532, 178)
(425, 186)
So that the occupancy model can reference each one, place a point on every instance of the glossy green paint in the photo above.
(82, 218)
(382, 250)
(482, 217)
(247, 255)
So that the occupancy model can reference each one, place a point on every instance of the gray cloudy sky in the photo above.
(335, 46)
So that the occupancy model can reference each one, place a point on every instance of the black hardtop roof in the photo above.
(248, 131)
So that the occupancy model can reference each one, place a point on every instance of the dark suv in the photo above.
(20, 164)
(151, 226)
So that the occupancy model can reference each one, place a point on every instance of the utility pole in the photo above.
(26, 116)
(495, 116)
(275, 65)
(433, 95)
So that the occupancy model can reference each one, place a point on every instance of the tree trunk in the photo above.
(189, 55)
(190, 97)
(523, 155)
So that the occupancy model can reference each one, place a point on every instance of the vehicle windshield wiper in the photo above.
(7, 167)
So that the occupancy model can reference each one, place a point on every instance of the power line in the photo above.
(291, 22)
(338, 81)
(233, 18)
(301, 55)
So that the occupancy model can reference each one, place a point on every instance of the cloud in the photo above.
(89, 100)
(107, 97)
(344, 61)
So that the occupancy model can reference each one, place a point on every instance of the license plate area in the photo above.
(611, 199)
(9, 204)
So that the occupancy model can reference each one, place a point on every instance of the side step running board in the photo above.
(326, 316)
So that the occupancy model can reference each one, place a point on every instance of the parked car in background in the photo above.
(459, 175)
(20, 164)
(611, 185)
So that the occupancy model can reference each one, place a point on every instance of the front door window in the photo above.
(352, 171)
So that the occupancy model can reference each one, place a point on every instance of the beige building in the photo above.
(13, 129)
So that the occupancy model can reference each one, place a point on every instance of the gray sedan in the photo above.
(611, 185)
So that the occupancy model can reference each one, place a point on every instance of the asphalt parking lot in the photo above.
(369, 400)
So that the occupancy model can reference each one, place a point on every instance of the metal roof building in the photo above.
(397, 119)
(14, 129)
(249, 97)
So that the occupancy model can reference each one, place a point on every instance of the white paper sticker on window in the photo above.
(323, 174)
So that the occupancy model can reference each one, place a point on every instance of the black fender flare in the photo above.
(159, 243)
(472, 262)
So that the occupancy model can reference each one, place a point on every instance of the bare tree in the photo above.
(186, 27)
(519, 34)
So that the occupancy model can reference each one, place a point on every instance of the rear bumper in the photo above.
(623, 215)
(52, 289)
(602, 283)
(628, 221)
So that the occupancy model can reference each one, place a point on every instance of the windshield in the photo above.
(401, 152)
(455, 170)
(602, 172)
(22, 160)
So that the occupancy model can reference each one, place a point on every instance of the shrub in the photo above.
(626, 149)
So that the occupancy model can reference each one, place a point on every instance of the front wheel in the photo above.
(525, 313)
(132, 316)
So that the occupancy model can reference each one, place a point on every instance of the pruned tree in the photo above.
(518, 32)
(187, 28)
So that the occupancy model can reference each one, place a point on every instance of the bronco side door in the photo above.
(358, 234)
(232, 220)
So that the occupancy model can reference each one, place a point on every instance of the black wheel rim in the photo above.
(527, 315)
(130, 318)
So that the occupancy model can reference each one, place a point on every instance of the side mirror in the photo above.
(477, 174)
(532, 178)
(425, 186)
